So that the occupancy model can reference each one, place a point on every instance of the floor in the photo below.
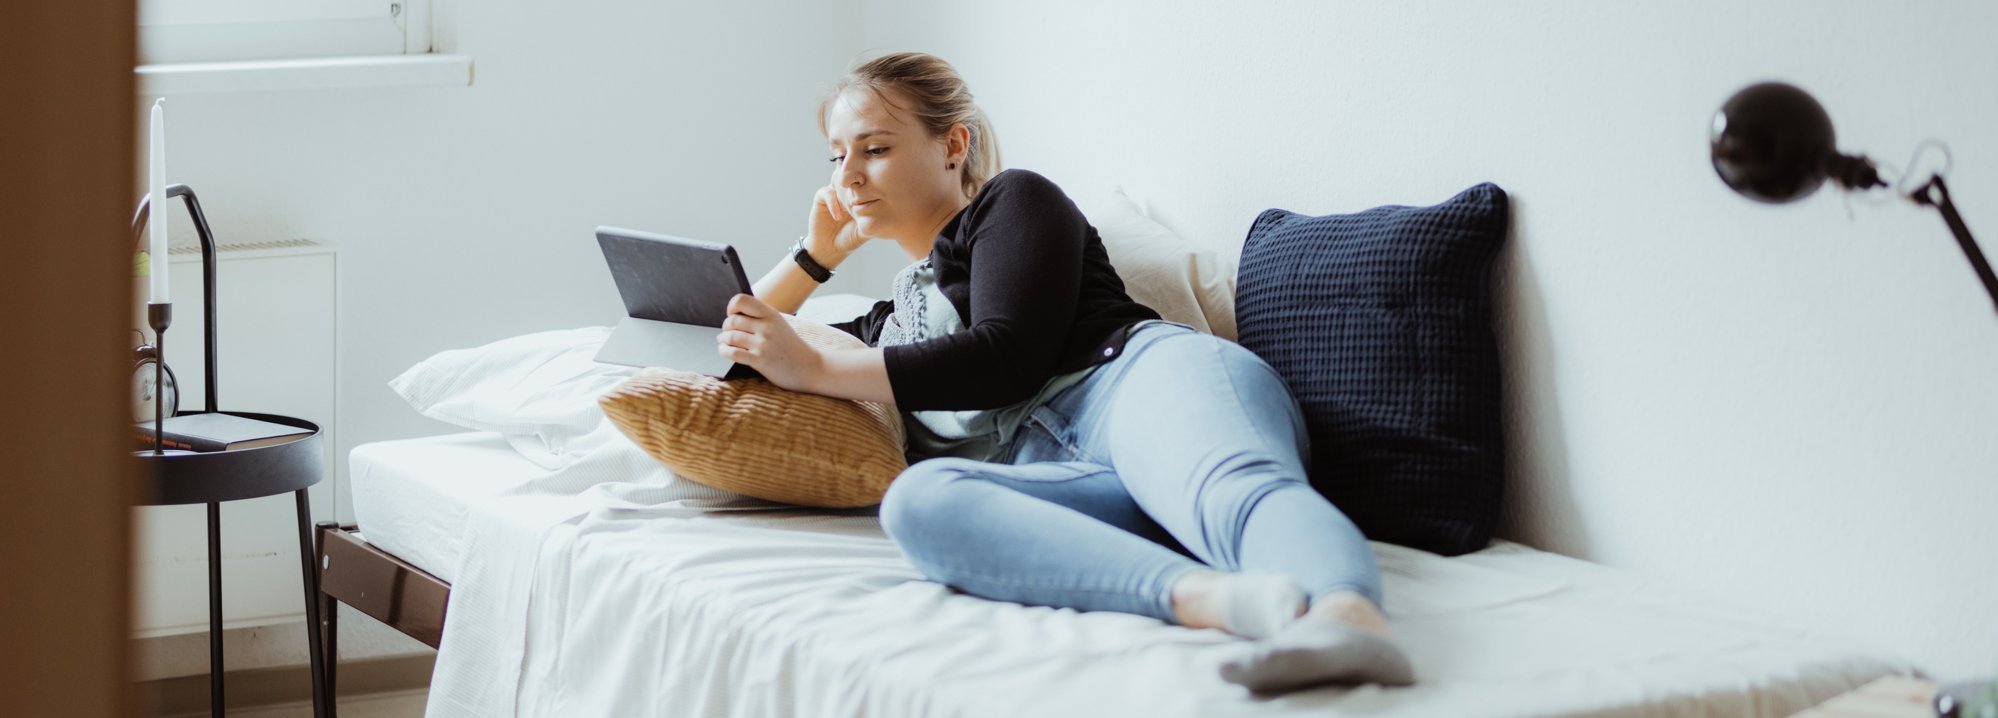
(403, 704)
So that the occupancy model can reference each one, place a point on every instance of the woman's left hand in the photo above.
(758, 336)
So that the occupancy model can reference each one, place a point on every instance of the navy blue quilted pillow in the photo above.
(1380, 322)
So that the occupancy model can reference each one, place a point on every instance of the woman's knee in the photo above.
(923, 491)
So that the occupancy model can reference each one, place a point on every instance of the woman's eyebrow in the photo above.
(864, 135)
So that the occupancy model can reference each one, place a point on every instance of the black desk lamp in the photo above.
(1773, 143)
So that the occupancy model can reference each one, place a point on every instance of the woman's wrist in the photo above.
(824, 252)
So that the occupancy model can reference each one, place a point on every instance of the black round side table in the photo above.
(216, 476)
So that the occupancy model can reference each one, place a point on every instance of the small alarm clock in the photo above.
(147, 368)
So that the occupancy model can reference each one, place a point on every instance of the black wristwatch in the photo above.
(813, 269)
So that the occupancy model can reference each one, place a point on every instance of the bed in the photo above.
(610, 588)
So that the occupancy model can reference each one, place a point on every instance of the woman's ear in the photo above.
(960, 143)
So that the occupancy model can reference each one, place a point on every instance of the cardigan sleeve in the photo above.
(1022, 240)
(867, 327)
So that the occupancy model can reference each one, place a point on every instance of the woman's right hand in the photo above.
(832, 225)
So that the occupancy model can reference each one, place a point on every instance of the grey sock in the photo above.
(1312, 651)
(1257, 604)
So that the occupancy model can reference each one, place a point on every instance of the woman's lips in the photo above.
(857, 206)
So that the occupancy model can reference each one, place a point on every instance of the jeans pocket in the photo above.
(1049, 426)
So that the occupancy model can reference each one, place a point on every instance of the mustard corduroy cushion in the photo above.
(757, 439)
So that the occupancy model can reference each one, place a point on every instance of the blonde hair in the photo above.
(941, 100)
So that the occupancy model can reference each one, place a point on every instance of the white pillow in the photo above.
(540, 390)
(1184, 283)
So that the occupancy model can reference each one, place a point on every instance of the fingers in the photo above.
(750, 306)
(746, 324)
(743, 332)
(830, 198)
(741, 343)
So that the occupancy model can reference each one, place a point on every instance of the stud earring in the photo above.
(951, 166)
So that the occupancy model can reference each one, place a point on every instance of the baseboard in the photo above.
(267, 687)
(274, 645)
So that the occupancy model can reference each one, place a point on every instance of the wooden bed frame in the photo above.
(375, 582)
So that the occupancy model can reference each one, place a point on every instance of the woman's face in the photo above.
(887, 168)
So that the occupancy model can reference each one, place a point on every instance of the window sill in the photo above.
(304, 74)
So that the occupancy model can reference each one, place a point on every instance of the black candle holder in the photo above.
(160, 316)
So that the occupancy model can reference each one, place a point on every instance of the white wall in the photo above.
(464, 214)
(1790, 407)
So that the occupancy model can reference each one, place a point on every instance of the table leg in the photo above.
(215, 609)
(321, 702)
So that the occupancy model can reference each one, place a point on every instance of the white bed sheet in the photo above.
(586, 598)
(415, 497)
(817, 613)
(411, 496)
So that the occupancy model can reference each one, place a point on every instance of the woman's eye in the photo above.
(874, 151)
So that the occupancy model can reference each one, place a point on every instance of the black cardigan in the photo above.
(1033, 285)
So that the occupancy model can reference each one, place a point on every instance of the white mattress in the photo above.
(411, 496)
(417, 498)
(672, 610)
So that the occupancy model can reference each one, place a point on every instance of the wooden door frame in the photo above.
(68, 169)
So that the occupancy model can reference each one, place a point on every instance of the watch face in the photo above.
(145, 393)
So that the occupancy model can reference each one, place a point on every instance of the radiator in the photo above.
(276, 305)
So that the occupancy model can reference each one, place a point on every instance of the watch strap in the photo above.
(813, 269)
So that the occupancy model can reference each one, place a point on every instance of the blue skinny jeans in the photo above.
(1185, 451)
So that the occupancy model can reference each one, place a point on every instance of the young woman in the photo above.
(1076, 449)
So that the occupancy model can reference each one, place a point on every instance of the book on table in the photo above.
(218, 432)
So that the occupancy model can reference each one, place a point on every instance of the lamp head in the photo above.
(1771, 141)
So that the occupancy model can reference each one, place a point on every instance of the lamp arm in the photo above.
(1936, 193)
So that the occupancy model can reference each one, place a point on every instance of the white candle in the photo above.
(157, 214)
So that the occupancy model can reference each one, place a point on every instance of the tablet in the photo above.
(676, 294)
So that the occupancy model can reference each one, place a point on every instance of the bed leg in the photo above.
(329, 610)
(328, 629)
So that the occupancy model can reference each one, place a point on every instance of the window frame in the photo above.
(189, 31)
